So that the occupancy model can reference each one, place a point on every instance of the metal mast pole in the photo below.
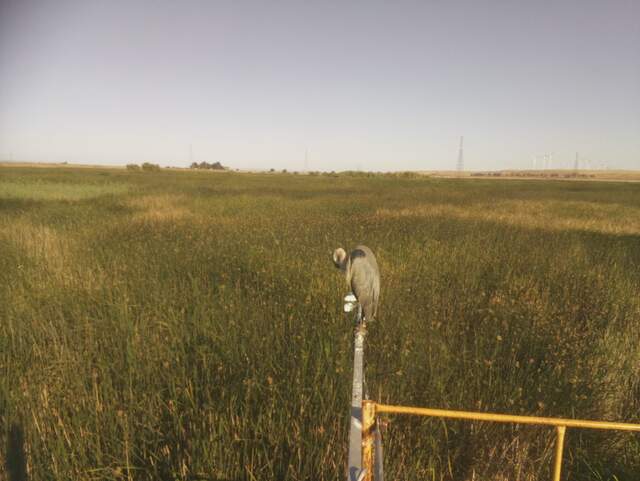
(355, 430)
(358, 393)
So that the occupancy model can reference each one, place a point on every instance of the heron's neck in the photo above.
(346, 268)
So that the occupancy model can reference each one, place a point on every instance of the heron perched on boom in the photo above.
(363, 277)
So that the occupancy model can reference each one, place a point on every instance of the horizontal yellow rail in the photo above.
(505, 418)
(371, 409)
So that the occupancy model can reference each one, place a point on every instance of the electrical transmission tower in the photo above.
(460, 166)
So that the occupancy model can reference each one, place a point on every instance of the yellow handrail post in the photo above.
(559, 448)
(368, 422)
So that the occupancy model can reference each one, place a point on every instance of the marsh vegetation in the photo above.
(188, 325)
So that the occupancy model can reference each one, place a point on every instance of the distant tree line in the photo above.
(207, 166)
(147, 167)
(533, 173)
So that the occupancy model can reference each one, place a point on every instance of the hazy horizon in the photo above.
(364, 86)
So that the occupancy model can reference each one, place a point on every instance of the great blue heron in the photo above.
(361, 271)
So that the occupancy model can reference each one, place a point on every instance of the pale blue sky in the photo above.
(360, 84)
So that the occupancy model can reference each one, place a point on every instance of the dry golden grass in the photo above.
(53, 257)
(159, 208)
(45, 247)
(548, 215)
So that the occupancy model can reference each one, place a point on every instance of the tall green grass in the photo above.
(184, 325)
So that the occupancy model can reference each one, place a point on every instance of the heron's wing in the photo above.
(365, 283)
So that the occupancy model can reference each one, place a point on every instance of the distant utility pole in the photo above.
(460, 166)
(576, 163)
(306, 160)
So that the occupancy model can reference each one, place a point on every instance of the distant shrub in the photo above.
(272, 170)
(149, 167)
(284, 171)
(360, 173)
(133, 167)
(207, 166)
(408, 175)
(372, 174)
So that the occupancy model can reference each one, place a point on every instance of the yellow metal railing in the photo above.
(370, 410)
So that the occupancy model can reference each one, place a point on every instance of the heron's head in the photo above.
(340, 258)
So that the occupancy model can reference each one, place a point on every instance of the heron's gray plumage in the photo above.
(362, 275)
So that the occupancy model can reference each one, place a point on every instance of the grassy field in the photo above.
(186, 325)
